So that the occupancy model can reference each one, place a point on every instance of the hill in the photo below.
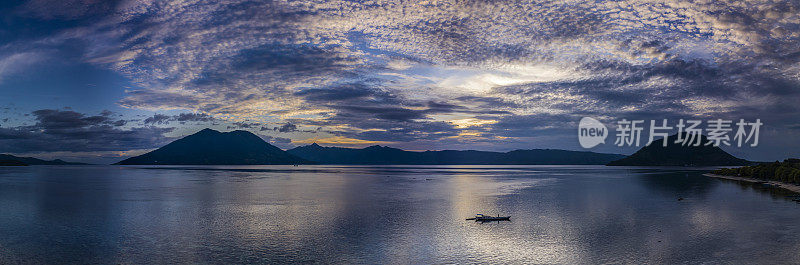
(382, 155)
(674, 154)
(210, 147)
(10, 159)
(6, 163)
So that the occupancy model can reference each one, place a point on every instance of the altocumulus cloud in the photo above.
(617, 49)
(405, 72)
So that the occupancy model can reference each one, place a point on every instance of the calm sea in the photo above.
(389, 214)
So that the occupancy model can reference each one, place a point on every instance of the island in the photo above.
(211, 147)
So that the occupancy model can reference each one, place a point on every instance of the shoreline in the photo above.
(782, 185)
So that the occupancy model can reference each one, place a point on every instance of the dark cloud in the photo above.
(273, 139)
(57, 130)
(158, 119)
(197, 117)
(120, 123)
(342, 92)
(487, 102)
(388, 113)
(385, 116)
(182, 118)
(668, 89)
(443, 107)
(244, 125)
(288, 127)
(360, 101)
(534, 125)
(408, 132)
(283, 143)
(291, 60)
(58, 119)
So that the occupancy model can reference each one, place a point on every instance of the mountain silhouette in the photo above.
(9, 160)
(382, 155)
(210, 147)
(677, 154)
(5, 163)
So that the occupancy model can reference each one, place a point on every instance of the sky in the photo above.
(100, 80)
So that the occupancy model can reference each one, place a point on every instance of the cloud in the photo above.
(197, 117)
(182, 118)
(244, 125)
(57, 130)
(65, 9)
(14, 63)
(288, 127)
(283, 143)
(57, 119)
(120, 123)
(305, 53)
(158, 119)
(388, 71)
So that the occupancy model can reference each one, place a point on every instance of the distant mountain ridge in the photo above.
(6, 163)
(7, 159)
(674, 154)
(382, 155)
(210, 147)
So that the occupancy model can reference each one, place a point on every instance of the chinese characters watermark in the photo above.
(689, 132)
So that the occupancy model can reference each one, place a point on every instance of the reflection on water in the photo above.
(389, 214)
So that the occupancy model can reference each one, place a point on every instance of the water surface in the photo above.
(389, 214)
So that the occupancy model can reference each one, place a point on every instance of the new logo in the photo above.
(591, 132)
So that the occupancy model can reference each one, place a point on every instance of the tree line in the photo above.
(786, 171)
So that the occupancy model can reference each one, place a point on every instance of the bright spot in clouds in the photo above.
(471, 122)
(481, 81)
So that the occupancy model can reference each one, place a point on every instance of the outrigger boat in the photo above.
(486, 218)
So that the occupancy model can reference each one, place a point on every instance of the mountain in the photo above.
(10, 159)
(210, 147)
(382, 155)
(674, 154)
(5, 163)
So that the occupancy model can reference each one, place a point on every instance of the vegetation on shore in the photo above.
(787, 171)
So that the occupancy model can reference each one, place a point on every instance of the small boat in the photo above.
(486, 218)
